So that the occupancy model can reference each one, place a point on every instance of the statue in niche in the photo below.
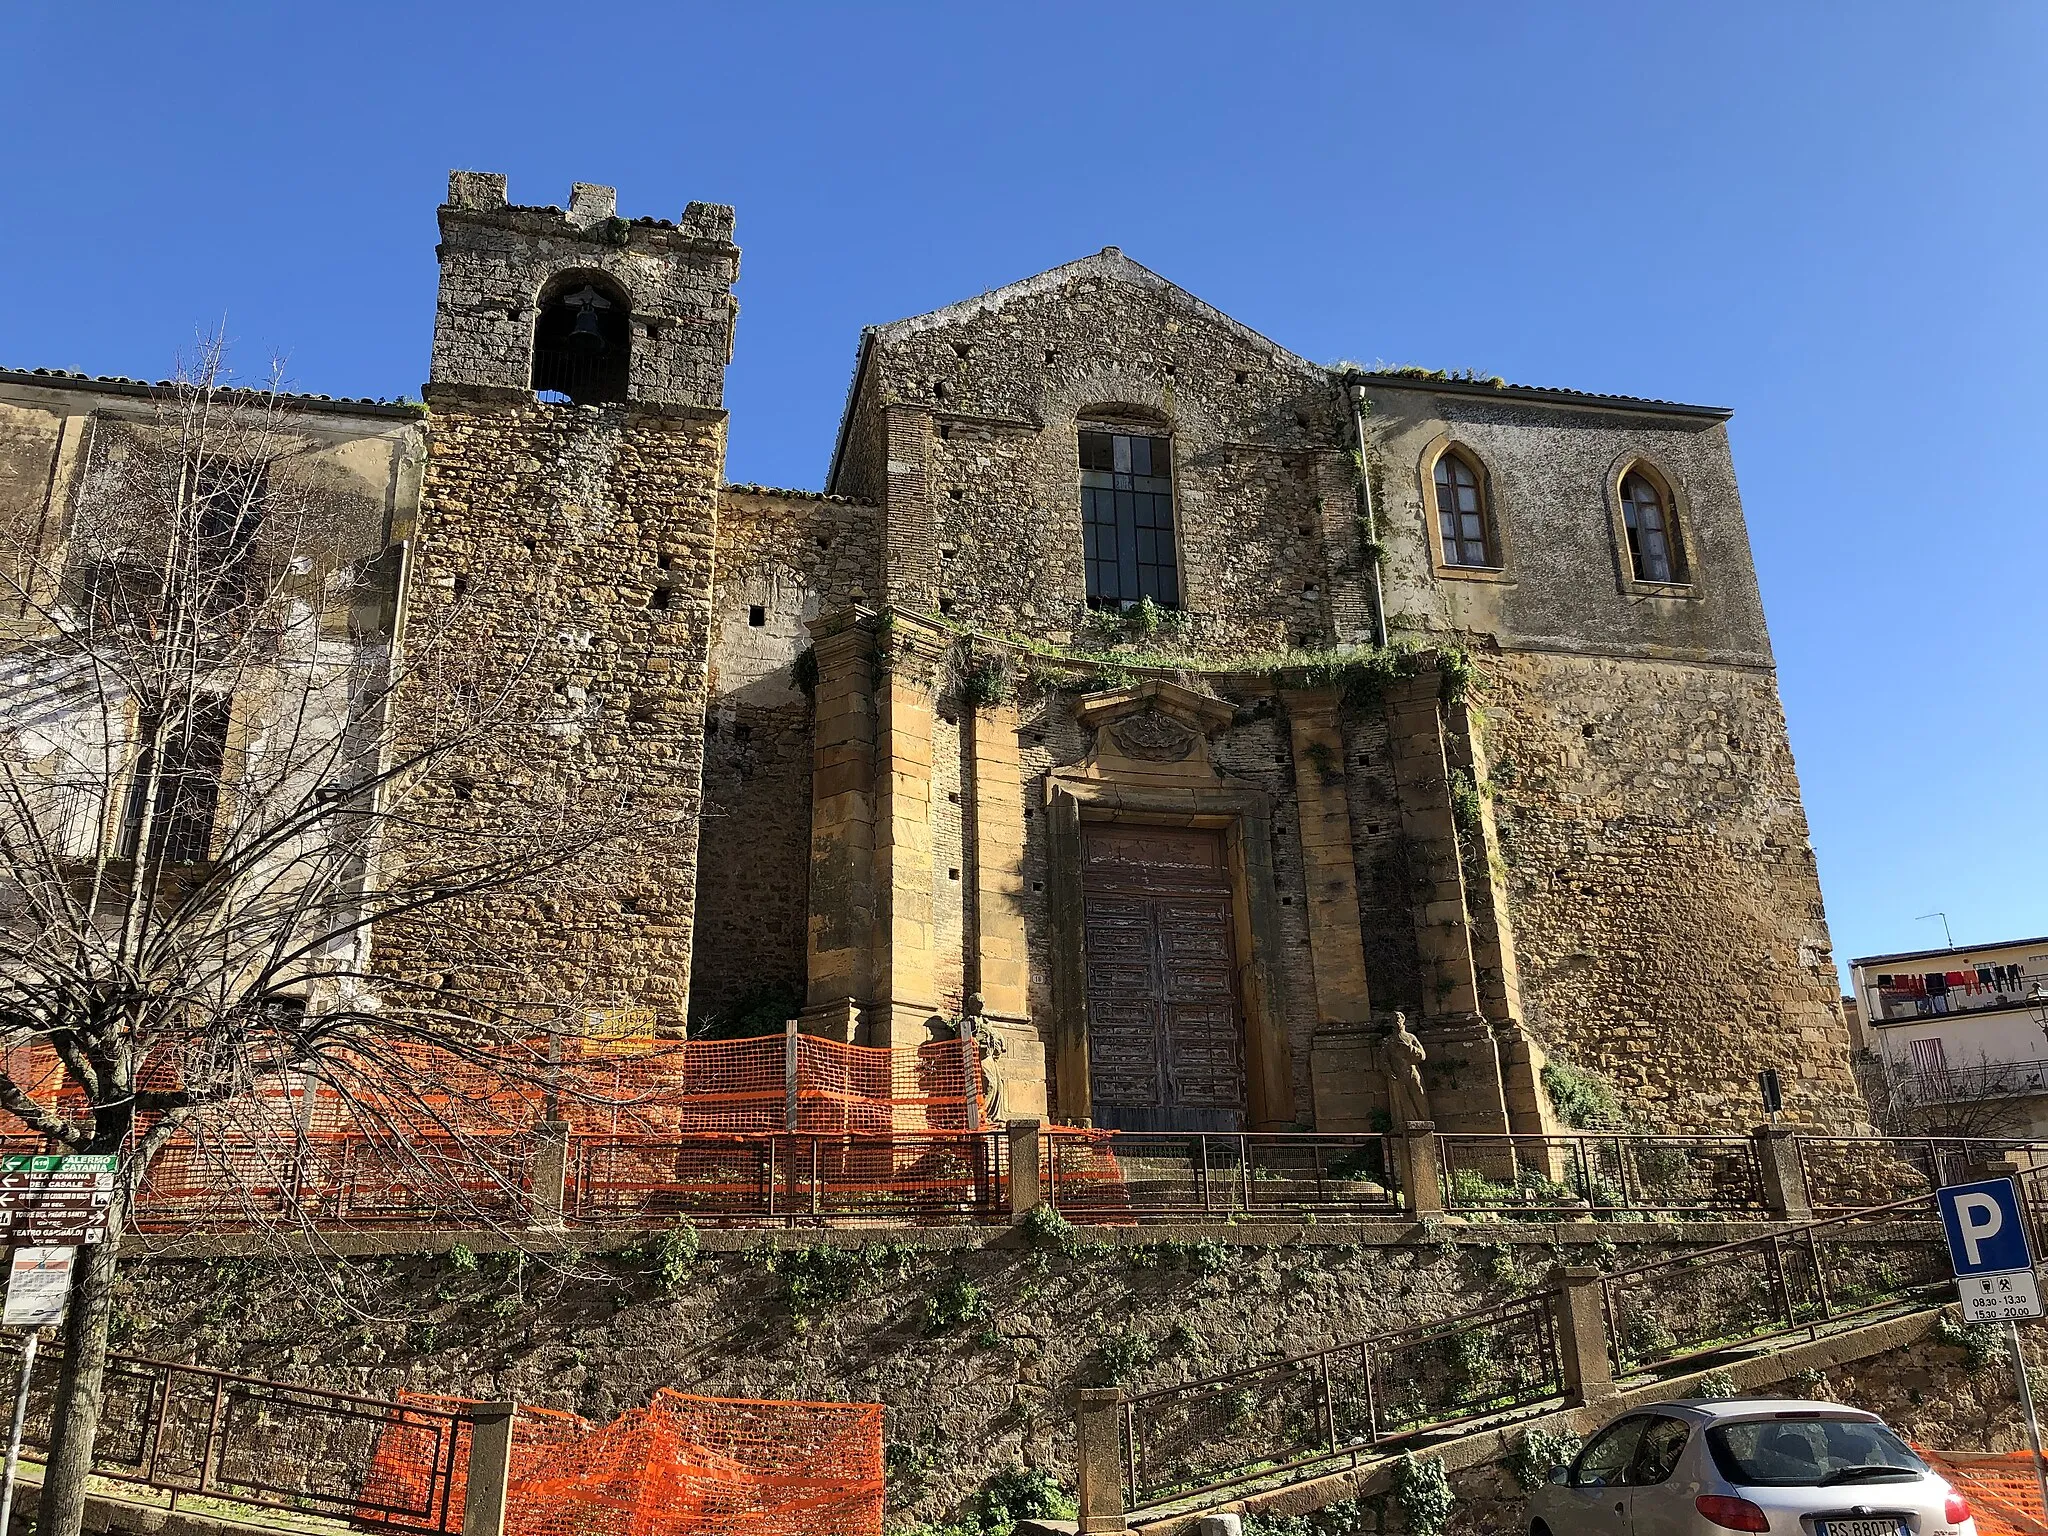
(1407, 1100)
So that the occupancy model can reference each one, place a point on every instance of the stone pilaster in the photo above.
(1001, 970)
(1463, 1073)
(1496, 974)
(840, 946)
(1345, 1081)
(909, 653)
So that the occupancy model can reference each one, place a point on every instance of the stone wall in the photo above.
(996, 388)
(782, 558)
(565, 554)
(1666, 906)
(975, 1343)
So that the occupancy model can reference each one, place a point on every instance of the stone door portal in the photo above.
(1165, 1033)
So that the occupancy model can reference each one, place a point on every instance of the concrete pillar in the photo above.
(1099, 1457)
(840, 940)
(1422, 1186)
(1777, 1156)
(490, 1468)
(1026, 1191)
(1581, 1319)
(909, 652)
(549, 1174)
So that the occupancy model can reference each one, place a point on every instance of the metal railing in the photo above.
(792, 1178)
(189, 1431)
(1856, 1173)
(1606, 1173)
(345, 1180)
(1204, 1436)
(1717, 1298)
(1983, 1080)
(1124, 1176)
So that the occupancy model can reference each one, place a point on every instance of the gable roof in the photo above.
(1109, 263)
(1112, 264)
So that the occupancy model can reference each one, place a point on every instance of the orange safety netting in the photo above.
(2003, 1489)
(681, 1466)
(1080, 1173)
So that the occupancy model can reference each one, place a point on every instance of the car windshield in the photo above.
(1810, 1453)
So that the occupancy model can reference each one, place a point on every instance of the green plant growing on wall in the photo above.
(987, 682)
(803, 672)
(1423, 1491)
(1021, 1493)
(1716, 1384)
(1457, 674)
(671, 1257)
(1583, 1098)
(954, 1305)
(1983, 1344)
(1045, 1227)
(1124, 1354)
(1540, 1452)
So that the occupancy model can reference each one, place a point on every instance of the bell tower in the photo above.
(576, 446)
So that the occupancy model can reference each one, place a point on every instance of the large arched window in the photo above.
(1127, 518)
(1654, 549)
(582, 341)
(1461, 513)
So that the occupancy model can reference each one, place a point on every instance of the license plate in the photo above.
(1859, 1528)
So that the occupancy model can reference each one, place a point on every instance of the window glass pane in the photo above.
(1601, 1464)
(1095, 450)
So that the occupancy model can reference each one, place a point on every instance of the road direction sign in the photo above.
(52, 1199)
(38, 1281)
(1987, 1230)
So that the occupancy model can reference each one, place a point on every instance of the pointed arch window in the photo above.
(1462, 516)
(1647, 516)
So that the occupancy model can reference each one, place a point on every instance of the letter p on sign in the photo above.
(1987, 1233)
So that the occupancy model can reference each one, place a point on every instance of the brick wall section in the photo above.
(783, 557)
(554, 527)
(1665, 901)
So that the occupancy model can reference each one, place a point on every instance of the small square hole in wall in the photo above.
(757, 616)
(659, 599)
(1052, 355)
(666, 562)
(945, 605)
(824, 542)
(742, 732)
(1027, 813)
(952, 874)
(1244, 376)
(963, 349)
(953, 795)
(1286, 901)
(958, 493)
(1586, 730)
(1038, 885)
(461, 585)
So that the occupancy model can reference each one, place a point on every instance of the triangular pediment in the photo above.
(1108, 264)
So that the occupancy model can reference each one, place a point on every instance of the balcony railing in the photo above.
(1984, 1080)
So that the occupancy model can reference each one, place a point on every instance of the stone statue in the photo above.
(1407, 1100)
(990, 1041)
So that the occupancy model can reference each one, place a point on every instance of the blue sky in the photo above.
(1828, 217)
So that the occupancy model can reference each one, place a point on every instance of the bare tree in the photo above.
(1984, 1099)
(222, 764)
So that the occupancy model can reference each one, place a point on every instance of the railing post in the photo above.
(550, 1173)
(1098, 1454)
(1026, 1195)
(1422, 1189)
(1777, 1156)
(490, 1468)
(789, 1075)
(1582, 1335)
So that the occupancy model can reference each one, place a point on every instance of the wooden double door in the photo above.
(1166, 1045)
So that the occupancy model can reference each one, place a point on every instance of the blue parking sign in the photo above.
(1987, 1232)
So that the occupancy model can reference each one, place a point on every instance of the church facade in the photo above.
(1180, 709)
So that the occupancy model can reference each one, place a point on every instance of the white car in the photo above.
(1703, 1466)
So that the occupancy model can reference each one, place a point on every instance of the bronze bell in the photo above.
(584, 335)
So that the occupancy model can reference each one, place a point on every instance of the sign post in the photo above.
(38, 1282)
(1994, 1265)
